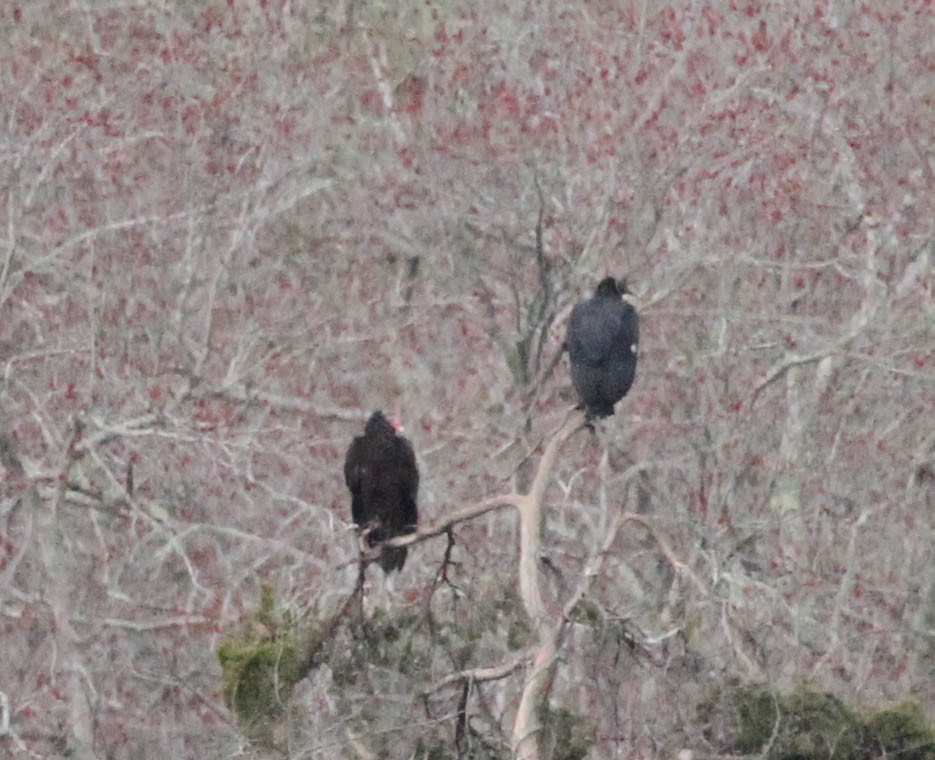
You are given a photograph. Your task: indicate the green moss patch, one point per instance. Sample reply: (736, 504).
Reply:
(262, 663)
(812, 725)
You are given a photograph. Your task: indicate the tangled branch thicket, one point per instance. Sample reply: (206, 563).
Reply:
(206, 284)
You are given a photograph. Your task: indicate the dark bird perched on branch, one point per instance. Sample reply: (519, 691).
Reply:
(380, 471)
(602, 341)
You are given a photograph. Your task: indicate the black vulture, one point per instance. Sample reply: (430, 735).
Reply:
(603, 339)
(380, 471)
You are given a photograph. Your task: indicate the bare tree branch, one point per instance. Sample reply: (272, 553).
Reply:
(53, 544)
(479, 675)
(530, 515)
(442, 525)
(527, 726)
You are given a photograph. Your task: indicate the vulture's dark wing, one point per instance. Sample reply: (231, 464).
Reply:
(353, 476)
(629, 334)
(594, 331)
(408, 481)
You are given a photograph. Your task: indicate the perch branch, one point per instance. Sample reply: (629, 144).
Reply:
(478, 675)
(529, 507)
(444, 524)
(527, 726)
(440, 526)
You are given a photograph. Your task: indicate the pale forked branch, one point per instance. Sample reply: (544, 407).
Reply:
(492, 673)
(527, 725)
(530, 518)
(529, 507)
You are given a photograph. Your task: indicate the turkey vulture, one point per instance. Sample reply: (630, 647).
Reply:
(602, 341)
(380, 471)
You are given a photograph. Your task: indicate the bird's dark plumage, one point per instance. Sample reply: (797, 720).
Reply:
(603, 340)
(380, 471)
